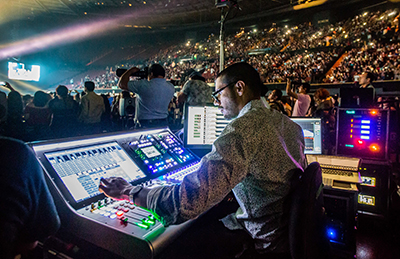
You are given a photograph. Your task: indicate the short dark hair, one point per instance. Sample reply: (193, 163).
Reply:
(244, 72)
(278, 93)
(40, 99)
(306, 86)
(89, 85)
(157, 70)
(62, 90)
(371, 77)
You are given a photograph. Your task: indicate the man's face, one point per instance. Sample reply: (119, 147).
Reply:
(272, 96)
(363, 79)
(227, 100)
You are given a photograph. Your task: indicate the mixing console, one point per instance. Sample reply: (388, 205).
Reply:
(74, 168)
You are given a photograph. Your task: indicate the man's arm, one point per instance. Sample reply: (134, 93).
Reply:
(182, 97)
(8, 86)
(123, 81)
(289, 89)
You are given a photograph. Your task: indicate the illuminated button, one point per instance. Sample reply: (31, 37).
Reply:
(119, 213)
(113, 211)
(149, 222)
(113, 216)
(125, 209)
(107, 214)
(141, 225)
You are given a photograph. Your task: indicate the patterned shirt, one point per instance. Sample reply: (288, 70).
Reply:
(197, 92)
(252, 157)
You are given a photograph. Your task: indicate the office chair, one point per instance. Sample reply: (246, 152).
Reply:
(306, 219)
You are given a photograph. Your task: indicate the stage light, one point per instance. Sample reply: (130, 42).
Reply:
(77, 32)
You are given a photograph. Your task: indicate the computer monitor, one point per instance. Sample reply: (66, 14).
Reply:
(312, 134)
(203, 125)
(356, 97)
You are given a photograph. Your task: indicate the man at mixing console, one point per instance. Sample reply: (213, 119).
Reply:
(252, 157)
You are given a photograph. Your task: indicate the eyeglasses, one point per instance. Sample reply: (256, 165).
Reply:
(218, 92)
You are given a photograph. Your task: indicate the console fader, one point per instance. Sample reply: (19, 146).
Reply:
(74, 167)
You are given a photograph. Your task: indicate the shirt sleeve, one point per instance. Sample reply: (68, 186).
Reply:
(186, 88)
(219, 172)
(136, 86)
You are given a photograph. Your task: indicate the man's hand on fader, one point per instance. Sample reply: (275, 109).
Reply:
(115, 187)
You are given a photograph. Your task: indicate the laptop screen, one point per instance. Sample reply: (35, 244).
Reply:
(203, 125)
(312, 134)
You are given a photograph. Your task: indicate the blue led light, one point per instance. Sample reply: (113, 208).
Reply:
(331, 232)
(349, 145)
(364, 137)
(365, 121)
(350, 112)
(365, 132)
(365, 127)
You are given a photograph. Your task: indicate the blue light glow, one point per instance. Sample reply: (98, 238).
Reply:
(364, 137)
(350, 112)
(365, 121)
(365, 132)
(365, 127)
(331, 232)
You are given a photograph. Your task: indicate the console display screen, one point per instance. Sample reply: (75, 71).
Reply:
(80, 169)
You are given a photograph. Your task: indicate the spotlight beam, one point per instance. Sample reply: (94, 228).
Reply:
(62, 36)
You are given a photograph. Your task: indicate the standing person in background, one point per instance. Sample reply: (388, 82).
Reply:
(14, 127)
(303, 99)
(65, 113)
(286, 105)
(153, 95)
(274, 100)
(366, 79)
(195, 91)
(325, 110)
(37, 117)
(92, 107)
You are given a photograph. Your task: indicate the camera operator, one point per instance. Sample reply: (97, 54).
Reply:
(154, 95)
(303, 99)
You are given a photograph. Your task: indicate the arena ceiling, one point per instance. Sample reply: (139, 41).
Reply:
(36, 26)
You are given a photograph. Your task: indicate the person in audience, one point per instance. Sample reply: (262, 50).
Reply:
(365, 81)
(14, 127)
(65, 112)
(303, 100)
(195, 91)
(92, 108)
(154, 95)
(253, 156)
(286, 104)
(27, 99)
(37, 117)
(3, 111)
(27, 213)
(325, 110)
(274, 100)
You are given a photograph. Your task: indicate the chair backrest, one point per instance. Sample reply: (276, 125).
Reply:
(307, 237)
